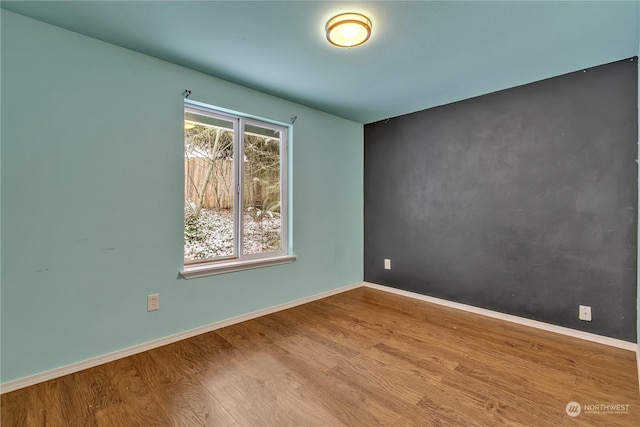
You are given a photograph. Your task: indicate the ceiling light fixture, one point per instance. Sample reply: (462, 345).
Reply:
(348, 30)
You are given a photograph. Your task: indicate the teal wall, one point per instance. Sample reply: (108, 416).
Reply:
(92, 193)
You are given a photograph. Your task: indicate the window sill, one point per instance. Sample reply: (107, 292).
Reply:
(202, 270)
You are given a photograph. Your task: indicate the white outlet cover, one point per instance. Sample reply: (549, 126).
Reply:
(584, 313)
(153, 302)
(387, 264)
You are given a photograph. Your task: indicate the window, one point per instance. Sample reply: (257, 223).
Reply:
(235, 189)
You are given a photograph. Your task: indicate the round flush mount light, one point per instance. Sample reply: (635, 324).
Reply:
(348, 30)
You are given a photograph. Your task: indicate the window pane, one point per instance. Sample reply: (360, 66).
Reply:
(262, 225)
(209, 182)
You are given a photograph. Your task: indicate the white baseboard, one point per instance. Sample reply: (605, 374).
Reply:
(109, 357)
(613, 342)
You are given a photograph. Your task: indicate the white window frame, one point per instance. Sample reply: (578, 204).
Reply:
(243, 261)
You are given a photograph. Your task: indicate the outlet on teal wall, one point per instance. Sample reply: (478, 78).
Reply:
(92, 194)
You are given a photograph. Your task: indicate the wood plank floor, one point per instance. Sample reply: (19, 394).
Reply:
(361, 358)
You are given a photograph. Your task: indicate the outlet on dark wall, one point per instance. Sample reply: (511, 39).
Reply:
(522, 201)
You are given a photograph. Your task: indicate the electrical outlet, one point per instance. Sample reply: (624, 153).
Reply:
(387, 264)
(153, 302)
(584, 313)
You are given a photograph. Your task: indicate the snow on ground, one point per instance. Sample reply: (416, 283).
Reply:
(212, 235)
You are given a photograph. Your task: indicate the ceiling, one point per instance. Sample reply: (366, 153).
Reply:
(421, 53)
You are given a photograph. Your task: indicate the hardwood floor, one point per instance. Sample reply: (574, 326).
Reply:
(361, 358)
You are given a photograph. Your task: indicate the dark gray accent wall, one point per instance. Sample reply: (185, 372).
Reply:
(522, 201)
